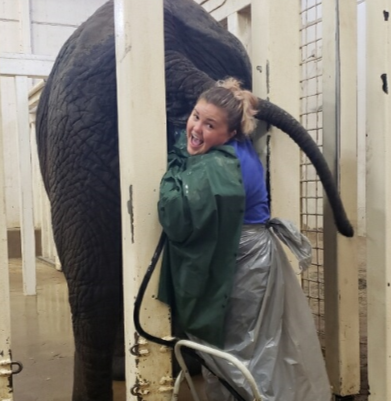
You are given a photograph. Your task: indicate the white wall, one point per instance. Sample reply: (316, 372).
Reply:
(9, 42)
(51, 23)
(10, 150)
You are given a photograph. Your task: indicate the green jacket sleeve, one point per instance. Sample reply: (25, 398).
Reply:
(201, 210)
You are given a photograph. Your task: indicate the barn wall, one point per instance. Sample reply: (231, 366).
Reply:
(49, 24)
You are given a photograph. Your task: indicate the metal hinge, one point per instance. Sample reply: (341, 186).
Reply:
(140, 388)
(5, 363)
(166, 384)
(141, 348)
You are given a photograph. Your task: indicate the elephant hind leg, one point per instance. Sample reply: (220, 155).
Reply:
(87, 232)
(81, 390)
(118, 364)
(94, 349)
(95, 297)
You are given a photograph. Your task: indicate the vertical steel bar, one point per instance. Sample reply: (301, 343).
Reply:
(26, 191)
(378, 196)
(142, 147)
(339, 147)
(5, 317)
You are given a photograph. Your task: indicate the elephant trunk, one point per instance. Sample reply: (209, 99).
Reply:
(278, 117)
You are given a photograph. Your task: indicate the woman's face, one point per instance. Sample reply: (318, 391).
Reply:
(206, 128)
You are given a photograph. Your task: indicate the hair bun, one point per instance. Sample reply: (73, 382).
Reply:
(248, 100)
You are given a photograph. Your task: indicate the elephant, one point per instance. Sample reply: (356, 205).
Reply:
(77, 140)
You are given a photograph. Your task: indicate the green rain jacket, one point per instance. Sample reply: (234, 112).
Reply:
(201, 209)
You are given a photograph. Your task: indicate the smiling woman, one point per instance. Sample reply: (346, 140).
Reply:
(206, 128)
(224, 112)
(224, 272)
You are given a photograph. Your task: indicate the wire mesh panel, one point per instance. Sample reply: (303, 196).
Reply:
(311, 188)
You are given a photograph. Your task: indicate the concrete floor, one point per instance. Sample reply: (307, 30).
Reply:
(42, 338)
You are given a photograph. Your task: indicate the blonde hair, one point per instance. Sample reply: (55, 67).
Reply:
(240, 105)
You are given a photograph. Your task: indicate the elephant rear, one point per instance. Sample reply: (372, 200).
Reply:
(77, 144)
(77, 140)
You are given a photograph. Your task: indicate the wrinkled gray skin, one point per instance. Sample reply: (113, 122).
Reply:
(78, 153)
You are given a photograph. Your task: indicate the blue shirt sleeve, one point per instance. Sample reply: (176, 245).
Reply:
(257, 198)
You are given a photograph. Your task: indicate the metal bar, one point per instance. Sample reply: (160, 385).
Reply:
(340, 136)
(26, 188)
(33, 66)
(142, 147)
(185, 371)
(215, 353)
(177, 386)
(5, 317)
(239, 24)
(378, 197)
(225, 8)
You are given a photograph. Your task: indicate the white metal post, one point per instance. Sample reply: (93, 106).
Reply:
(5, 317)
(222, 9)
(378, 195)
(41, 202)
(361, 117)
(142, 147)
(276, 76)
(239, 24)
(26, 194)
(340, 150)
(44, 222)
(31, 65)
(36, 174)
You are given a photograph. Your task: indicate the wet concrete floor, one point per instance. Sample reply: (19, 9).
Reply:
(42, 338)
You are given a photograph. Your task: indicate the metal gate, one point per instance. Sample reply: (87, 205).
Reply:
(329, 69)
(311, 191)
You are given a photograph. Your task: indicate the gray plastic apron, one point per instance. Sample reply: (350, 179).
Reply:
(269, 324)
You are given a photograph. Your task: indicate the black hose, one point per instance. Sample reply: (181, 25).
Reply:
(141, 293)
(161, 341)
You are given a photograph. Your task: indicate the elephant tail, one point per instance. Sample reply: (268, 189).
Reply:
(278, 117)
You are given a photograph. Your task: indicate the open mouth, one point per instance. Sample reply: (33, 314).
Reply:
(194, 141)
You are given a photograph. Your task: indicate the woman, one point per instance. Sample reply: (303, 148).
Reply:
(225, 273)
